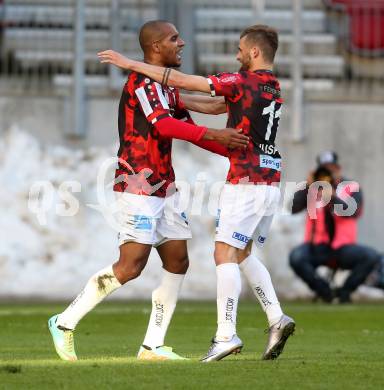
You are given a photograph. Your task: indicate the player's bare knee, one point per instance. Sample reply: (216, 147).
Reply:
(129, 273)
(178, 267)
(184, 265)
(128, 268)
(242, 254)
(181, 267)
(219, 256)
(225, 253)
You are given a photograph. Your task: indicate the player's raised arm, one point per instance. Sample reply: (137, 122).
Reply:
(155, 108)
(165, 76)
(173, 128)
(204, 104)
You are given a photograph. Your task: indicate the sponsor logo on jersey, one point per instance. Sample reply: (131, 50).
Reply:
(270, 162)
(268, 89)
(269, 149)
(142, 222)
(229, 79)
(240, 237)
(261, 239)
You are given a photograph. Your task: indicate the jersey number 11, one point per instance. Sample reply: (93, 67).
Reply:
(274, 113)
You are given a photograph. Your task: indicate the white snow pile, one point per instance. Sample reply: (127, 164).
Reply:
(52, 256)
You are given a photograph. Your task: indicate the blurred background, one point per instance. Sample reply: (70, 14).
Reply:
(58, 122)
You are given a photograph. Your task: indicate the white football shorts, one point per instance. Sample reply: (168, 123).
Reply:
(245, 213)
(150, 219)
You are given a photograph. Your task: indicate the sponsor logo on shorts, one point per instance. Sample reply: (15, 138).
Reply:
(142, 222)
(218, 217)
(184, 216)
(261, 239)
(270, 162)
(240, 237)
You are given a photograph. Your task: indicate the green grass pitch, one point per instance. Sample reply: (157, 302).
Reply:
(334, 347)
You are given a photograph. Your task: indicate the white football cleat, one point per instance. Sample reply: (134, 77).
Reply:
(278, 335)
(220, 349)
(159, 353)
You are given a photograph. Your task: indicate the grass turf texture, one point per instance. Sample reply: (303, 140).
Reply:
(334, 347)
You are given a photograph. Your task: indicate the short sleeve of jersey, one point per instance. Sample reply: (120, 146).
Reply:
(224, 84)
(152, 100)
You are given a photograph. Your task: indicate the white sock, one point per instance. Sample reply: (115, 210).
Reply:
(164, 300)
(228, 291)
(260, 281)
(100, 285)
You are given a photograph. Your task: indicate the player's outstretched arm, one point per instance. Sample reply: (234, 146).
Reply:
(173, 128)
(167, 76)
(231, 138)
(204, 104)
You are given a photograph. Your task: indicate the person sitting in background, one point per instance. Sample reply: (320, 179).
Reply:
(331, 231)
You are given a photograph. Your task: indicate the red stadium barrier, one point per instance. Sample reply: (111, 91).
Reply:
(343, 4)
(366, 25)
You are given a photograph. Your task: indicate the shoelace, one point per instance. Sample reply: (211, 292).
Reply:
(214, 343)
(68, 339)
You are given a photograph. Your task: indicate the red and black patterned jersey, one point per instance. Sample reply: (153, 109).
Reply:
(253, 104)
(145, 163)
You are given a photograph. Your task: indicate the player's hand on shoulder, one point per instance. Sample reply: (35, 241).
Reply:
(114, 58)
